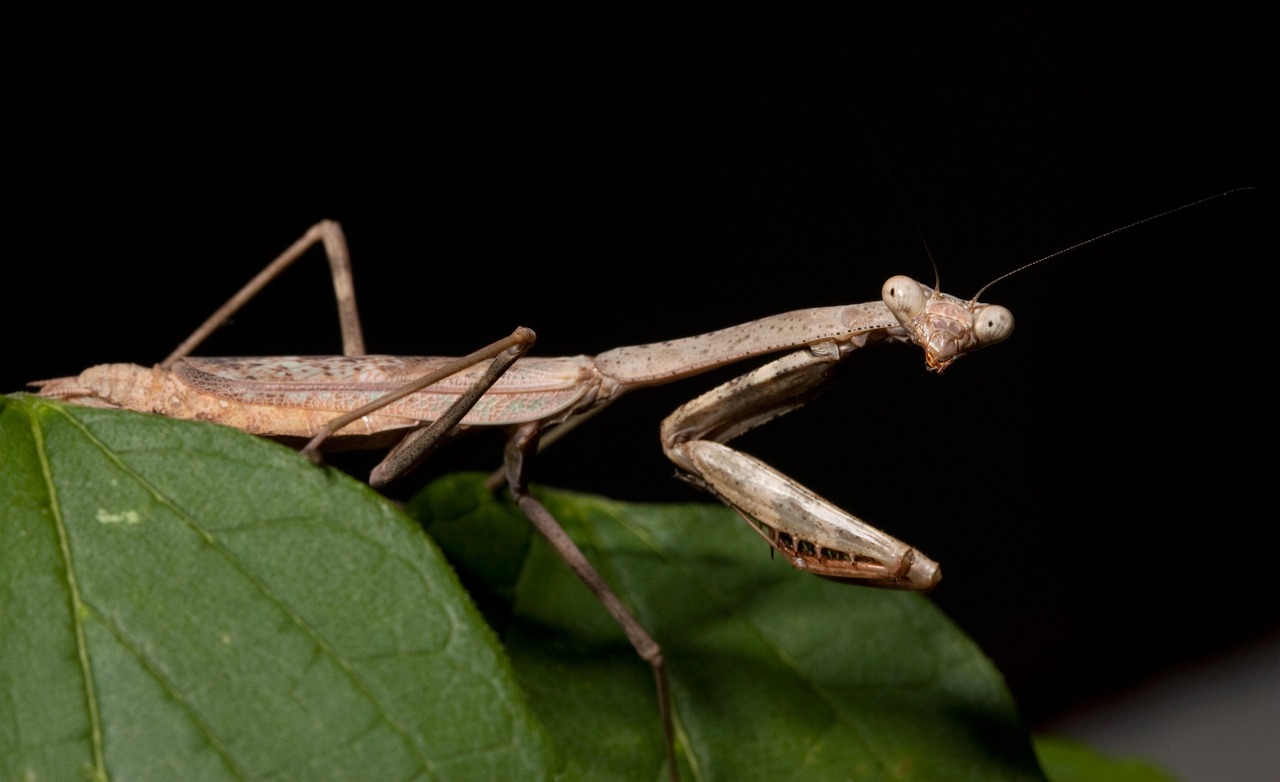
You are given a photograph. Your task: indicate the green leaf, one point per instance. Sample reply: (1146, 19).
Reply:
(1069, 761)
(182, 601)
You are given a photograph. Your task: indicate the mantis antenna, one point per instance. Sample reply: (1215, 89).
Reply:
(1099, 237)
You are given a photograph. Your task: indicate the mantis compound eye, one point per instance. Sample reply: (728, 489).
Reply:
(904, 297)
(991, 324)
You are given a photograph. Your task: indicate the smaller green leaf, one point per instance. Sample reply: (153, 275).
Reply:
(1069, 761)
(775, 674)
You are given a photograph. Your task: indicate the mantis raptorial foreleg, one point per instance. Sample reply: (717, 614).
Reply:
(814, 534)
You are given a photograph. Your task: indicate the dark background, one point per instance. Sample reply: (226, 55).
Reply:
(1099, 489)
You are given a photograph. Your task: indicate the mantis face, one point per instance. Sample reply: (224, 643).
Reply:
(946, 327)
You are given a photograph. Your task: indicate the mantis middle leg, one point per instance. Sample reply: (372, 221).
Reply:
(521, 446)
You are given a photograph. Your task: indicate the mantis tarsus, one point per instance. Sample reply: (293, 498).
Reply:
(373, 401)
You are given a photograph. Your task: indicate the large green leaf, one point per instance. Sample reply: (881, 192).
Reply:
(184, 601)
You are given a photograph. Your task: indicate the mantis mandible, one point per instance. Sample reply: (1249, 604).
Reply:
(416, 403)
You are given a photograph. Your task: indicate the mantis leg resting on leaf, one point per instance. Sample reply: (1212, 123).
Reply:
(416, 403)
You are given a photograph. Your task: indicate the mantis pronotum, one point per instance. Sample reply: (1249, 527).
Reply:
(375, 400)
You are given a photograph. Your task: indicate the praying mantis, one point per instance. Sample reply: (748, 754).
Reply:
(423, 402)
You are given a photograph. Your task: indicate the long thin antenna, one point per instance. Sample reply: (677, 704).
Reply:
(937, 276)
(1112, 232)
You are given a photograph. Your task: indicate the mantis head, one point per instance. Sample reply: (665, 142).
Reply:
(946, 327)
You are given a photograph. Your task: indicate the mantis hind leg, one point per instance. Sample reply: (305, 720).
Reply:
(330, 235)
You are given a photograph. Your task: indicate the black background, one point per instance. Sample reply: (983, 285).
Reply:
(1099, 489)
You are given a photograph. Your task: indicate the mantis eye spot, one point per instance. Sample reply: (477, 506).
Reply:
(904, 297)
(992, 324)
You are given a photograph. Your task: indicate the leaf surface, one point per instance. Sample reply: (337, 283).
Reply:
(1069, 761)
(183, 601)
